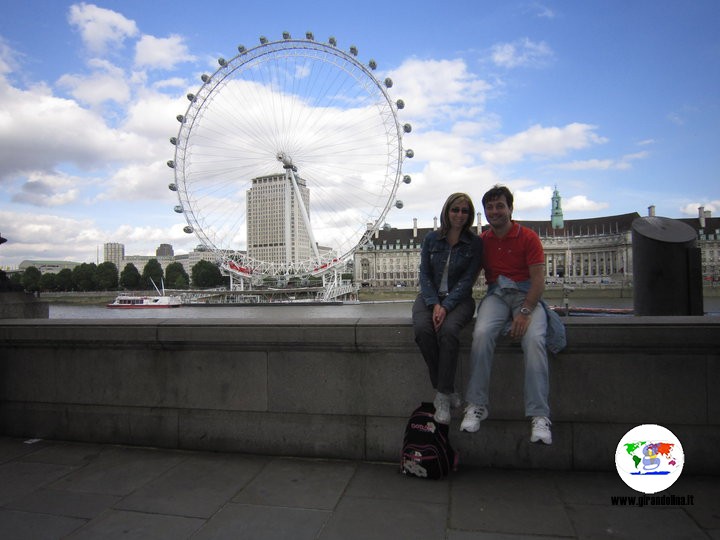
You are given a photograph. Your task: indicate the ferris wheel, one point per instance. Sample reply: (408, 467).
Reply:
(288, 157)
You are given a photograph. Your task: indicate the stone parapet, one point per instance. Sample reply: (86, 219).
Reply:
(344, 388)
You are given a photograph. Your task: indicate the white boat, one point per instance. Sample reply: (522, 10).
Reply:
(143, 302)
(127, 301)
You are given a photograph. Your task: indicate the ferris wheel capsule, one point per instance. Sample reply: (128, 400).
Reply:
(179, 209)
(372, 65)
(172, 187)
(388, 82)
(310, 36)
(332, 41)
(400, 104)
(407, 179)
(409, 153)
(222, 62)
(353, 50)
(188, 229)
(173, 141)
(171, 163)
(407, 128)
(399, 204)
(286, 35)
(204, 77)
(241, 49)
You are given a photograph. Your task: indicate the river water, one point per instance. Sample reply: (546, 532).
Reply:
(372, 310)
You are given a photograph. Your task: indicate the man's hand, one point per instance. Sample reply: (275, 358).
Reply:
(519, 326)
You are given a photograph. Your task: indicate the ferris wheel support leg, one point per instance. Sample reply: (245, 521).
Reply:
(303, 212)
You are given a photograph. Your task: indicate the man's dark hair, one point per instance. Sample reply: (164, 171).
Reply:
(496, 192)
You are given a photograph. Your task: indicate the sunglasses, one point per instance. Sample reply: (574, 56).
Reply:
(456, 209)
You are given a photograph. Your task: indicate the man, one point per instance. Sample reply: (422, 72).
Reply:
(514, 265)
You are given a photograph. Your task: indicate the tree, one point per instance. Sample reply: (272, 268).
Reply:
(85, 277)
(206, 274)
(130, 277)
(64, 280)
(107, 276)
(152, 272)
(31, 279)
(48, 282)
(176, 277)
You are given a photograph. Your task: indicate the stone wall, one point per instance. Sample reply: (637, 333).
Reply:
(344, 388)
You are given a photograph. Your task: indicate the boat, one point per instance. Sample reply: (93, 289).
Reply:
(128, 301)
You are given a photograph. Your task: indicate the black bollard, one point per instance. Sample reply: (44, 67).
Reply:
(667, 277)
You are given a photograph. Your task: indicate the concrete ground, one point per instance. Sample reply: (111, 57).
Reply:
(51, 489)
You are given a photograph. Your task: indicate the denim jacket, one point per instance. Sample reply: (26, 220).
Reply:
(555, 338)
(465, 261)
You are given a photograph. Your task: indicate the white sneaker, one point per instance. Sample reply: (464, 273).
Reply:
(455, 400)
(474, 414)
(442, 408)
(541, 430)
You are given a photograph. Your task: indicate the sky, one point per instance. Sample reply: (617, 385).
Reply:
(614, 103)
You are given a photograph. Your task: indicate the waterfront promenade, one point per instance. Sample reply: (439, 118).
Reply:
(74, 491)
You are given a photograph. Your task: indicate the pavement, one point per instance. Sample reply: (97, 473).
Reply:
(54, 489)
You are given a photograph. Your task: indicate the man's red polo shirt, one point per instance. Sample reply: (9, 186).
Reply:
(512, 255)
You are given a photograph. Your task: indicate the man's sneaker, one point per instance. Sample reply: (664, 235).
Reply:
(442, 408)
(541, 430)
(474, 414)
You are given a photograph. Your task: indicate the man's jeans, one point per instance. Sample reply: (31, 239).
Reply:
(493, 316)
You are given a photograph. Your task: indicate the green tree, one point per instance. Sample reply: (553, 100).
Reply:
(48, 282)
(85, 277)
(31, 279)
(152, 272)
(206, 274)
(64, 280)
(107, 276)
(176, 277)
(130, 277)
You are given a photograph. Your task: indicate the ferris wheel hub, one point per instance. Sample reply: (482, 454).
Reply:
(286, 161)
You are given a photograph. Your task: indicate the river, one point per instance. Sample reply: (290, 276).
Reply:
(373, 310)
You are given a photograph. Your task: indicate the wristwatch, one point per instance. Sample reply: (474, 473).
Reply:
(525, 311)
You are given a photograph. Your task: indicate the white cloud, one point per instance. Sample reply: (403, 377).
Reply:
(100, 28)
(541, 141)
(521, 53)
(439, 91)
(48, 189)
(625, 162)
(581, 203)
(161, 53)
(106, 83)
(691, 209)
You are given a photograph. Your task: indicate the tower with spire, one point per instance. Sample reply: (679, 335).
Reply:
(556, 216)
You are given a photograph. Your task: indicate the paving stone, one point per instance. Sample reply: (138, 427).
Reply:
(592, 522)
(197, 487)
(503, 501)
(250, 522)
(360, 518)
(21, 478)
(121, 525)
(65, 503)
(120, 471)
(15, 525)
(301, 483)
(385, 481)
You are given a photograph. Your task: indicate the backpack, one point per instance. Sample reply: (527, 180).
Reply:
(426, 450)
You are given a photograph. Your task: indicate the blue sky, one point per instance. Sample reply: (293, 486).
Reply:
(616, 103)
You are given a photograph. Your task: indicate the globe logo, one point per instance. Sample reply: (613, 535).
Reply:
(649, 458)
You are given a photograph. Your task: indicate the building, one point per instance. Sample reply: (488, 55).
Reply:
(114, 252)
(47, 267)
(276, 230)
(164, 250)
(581, 251)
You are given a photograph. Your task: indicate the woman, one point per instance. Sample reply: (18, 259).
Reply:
(449, 264)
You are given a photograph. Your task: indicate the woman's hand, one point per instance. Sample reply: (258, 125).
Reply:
(439, 314)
